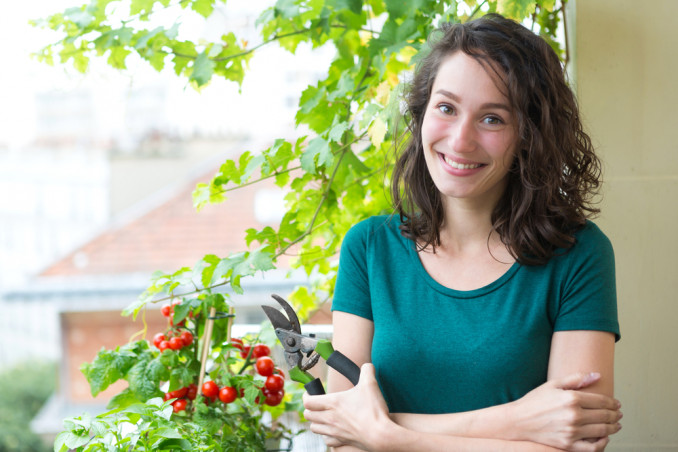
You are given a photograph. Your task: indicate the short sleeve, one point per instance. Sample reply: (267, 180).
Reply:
(351, 292)
(589, 294)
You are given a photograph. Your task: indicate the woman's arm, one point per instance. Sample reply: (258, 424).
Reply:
(358, 419)
(572, 408)
(551, 414)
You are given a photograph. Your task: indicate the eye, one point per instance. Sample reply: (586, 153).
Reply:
(493, 120)
(446, 109)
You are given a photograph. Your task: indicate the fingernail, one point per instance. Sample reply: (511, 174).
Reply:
(590, 378)
(618, 404)
(621, 415)
(618, 426)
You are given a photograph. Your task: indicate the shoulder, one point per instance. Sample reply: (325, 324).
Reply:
(591, 242)
(373, 227)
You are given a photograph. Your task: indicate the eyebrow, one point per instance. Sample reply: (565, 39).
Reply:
(488, 105)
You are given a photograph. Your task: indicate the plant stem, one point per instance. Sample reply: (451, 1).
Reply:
(207, 338)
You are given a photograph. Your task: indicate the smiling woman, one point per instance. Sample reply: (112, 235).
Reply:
(491, 278)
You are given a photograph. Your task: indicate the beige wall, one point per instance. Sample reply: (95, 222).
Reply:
(626, 73)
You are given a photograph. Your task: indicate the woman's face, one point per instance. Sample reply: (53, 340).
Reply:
(469, 131)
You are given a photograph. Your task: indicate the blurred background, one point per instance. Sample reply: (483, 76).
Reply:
(96, 173)
(96, 176)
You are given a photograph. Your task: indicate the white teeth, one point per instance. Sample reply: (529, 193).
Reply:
(456, 165)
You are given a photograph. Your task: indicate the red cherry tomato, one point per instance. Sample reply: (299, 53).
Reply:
(186, 338)
(274, 383)
(166, 310)
(166, 396)
(176, 343)
(210, 389)
(158, 338)
(227, 394)
(179, 393)
(179, 405)
(163, 345)
(261, 350)
(264, 366)
(192, 391)
(274, 398)
(279, 371)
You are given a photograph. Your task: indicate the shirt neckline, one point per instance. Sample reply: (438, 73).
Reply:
(474, 293)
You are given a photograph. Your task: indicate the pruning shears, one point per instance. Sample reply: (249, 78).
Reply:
(303, 351)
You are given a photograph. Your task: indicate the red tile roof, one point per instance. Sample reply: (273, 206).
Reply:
(168, 237)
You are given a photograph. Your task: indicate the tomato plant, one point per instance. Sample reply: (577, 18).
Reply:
(226, 403)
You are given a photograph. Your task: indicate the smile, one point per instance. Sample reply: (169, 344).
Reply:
(463, 166)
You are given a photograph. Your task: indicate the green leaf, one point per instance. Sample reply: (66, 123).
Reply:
(548, 4)
(107, 368)
(516, 9)
(337, 131)
(317, 153)
(141, 6)
(286, 8)
(203, 7)
(173, 444)
(203, 68)
(145, 376)
(117, 57)
(80, 17)
(355, 6)
(123, 400)
(180, 377)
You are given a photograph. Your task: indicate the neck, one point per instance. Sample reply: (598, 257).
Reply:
(467, 226)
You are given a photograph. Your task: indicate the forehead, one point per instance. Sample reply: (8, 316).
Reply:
(466, 76)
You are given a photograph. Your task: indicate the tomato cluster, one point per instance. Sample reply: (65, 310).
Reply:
(256, 356)
(182, 395)
(273, 389)
(174, 338)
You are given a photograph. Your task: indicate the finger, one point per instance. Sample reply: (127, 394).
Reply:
(594, 431)
(590, 446)
(367, 373)
(576, 381)
(595, 416)
(331, 441)
(592, 401)
(317, 402)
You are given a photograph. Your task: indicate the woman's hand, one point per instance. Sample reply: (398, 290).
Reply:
(355, 417)
(558, 414)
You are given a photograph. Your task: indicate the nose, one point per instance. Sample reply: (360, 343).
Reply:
(462, 135)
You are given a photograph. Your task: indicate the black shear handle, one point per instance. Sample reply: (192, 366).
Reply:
(339, 362)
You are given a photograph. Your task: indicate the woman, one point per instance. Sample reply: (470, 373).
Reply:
(484, 314)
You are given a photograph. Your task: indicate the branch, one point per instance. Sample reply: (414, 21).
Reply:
(246, 184)
(475, 11)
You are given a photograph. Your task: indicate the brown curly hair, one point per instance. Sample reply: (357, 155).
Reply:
(555, 175)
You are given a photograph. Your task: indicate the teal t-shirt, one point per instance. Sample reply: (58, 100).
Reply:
(439, 350)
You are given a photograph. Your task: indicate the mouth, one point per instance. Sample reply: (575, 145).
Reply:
(461, 165)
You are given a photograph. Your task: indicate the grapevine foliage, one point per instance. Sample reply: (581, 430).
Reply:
(336, 176)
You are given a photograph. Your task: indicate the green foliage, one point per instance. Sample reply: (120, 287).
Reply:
(336, 177)
(25, 389)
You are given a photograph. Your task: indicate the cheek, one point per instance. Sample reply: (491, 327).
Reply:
(432, 129)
